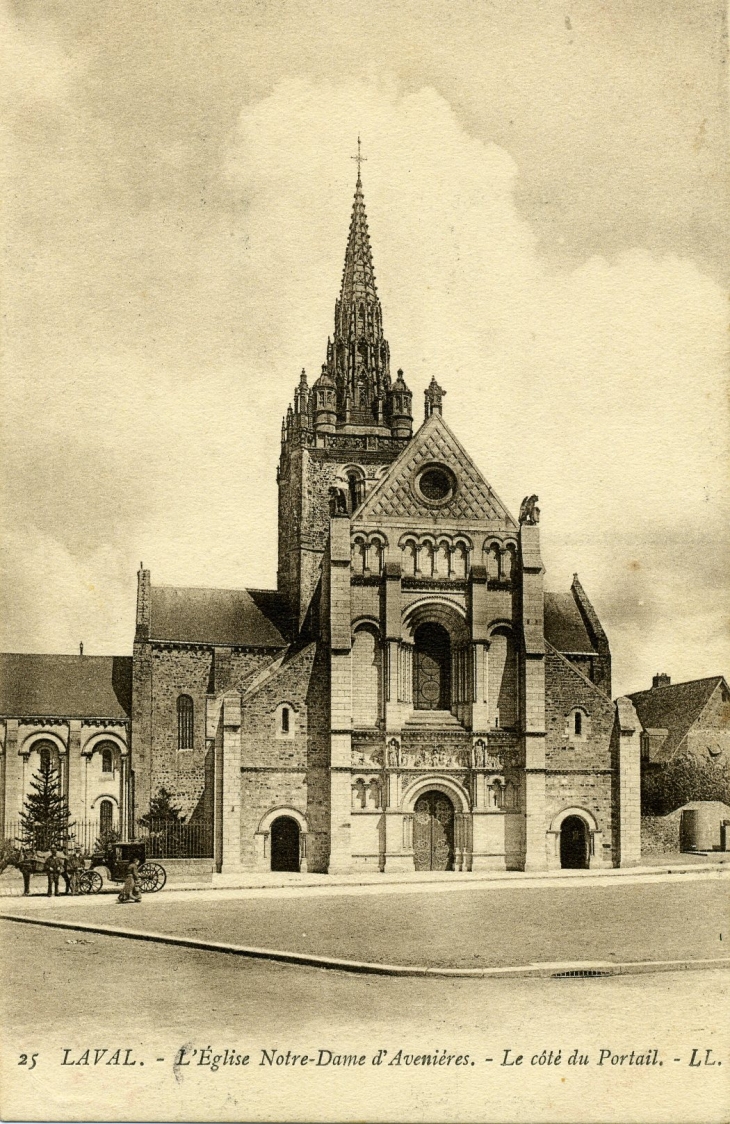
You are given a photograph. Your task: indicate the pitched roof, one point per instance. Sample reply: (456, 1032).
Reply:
(65, 686)
(675, 707)
(564, 626)
(246, 618)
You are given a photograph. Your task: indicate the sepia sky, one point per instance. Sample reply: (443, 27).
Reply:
(547, 192)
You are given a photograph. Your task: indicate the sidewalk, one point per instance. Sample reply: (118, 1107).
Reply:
(315, 885)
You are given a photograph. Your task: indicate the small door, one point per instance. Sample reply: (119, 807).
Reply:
(573, 844)
(285, 844)
(433, 832)
(432, 668)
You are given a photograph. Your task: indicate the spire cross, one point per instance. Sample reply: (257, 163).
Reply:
(360, 159)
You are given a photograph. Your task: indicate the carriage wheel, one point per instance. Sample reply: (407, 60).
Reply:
(152, 877)
(90, 882)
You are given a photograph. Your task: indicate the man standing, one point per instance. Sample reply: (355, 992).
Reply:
(26, 866)
(74, 866)
(53, 867)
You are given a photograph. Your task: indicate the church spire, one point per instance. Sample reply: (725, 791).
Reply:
(358, 357)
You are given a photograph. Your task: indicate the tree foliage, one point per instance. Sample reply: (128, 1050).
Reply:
(688, 778)
(45, 819)
(162, 811)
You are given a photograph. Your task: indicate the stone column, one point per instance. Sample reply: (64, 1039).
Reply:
(230, 788)
(13, 774)
(392, 632)
(340, 625)
(628, 732)
(533, 697)
(75, 772)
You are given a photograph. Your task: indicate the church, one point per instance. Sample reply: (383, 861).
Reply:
(409, 698)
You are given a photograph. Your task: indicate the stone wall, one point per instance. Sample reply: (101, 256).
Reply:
(161, 674)
(281, 770)
(579, 768)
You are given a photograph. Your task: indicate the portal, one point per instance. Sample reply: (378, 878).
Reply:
(573, 843)
(285, 844)
(433, 832)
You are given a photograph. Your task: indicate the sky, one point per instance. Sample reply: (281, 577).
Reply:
(547, 193)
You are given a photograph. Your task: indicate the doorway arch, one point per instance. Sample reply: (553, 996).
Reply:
(285, 844)
(433, 831)
(574, 843)
(431, 667)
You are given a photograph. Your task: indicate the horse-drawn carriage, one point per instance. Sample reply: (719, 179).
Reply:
(116, 859)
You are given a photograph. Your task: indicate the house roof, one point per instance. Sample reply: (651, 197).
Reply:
(246, 618)
(564, 626)
(675, 708)
(65, 686)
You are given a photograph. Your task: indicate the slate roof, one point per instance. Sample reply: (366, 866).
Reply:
(246, 618)
(65, 686)
(675, 708)
(564, 625)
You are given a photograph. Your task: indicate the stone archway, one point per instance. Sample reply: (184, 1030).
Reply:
(574, 843)
(285, 844)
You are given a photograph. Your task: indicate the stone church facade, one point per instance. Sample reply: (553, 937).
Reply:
(409, 698)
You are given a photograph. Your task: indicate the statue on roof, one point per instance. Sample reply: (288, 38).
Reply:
(529, 511)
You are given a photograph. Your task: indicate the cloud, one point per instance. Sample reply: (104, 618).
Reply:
(601, 387)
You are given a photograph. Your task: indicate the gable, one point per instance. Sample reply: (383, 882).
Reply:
(397, 495)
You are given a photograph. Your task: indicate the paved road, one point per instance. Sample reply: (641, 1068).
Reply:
(69, 991)
(465, 928)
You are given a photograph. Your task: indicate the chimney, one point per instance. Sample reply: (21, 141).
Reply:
(661, 679)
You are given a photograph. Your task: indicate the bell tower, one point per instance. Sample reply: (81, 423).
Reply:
(337, 434)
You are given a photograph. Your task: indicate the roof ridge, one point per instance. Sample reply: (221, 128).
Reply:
(681, 683)
(582, 674)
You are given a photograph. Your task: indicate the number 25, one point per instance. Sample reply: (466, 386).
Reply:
(24, 1060)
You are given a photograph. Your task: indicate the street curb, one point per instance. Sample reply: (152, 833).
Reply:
(570, 969)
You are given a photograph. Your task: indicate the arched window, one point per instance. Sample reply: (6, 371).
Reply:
(578, 725)
(107, 758)
(356, 489)
(48, 754)
(185, 733)
(409, 559)
(285, 719)
(106, 816)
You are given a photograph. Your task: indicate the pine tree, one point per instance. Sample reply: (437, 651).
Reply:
(162, 810)
(45, 819)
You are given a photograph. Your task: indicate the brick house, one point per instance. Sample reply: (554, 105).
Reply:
(409, 698)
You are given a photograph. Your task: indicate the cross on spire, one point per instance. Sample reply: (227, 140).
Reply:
(360, 158)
